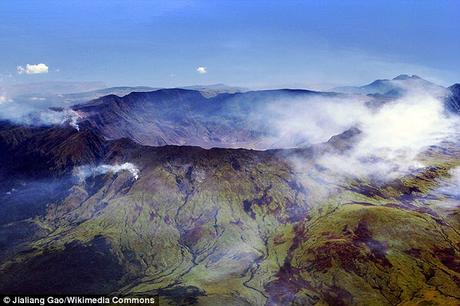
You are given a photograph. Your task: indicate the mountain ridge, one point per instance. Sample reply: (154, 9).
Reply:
(233, 226)
(186, 117)
(396, 85)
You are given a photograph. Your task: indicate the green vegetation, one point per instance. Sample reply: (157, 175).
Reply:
(237, 227)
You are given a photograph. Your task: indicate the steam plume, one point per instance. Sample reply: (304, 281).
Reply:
(86, 171)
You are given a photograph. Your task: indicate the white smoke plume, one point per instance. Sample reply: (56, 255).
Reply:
(86, 171)
(451, 187)
(55, 117)
(35, 111)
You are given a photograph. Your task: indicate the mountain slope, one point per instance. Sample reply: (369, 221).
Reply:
(187, 117)
(453, 99)
(234, 227)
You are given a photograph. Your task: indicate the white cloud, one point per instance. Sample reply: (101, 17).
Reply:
(5, 100)
(309, 120)
(33, 69)
(392, 135)
(36, 117)
(37, 98)
(202, 70)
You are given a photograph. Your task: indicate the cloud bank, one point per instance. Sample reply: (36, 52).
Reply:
(393, 133)
(295, 122)
(36, 112)
(393, 137)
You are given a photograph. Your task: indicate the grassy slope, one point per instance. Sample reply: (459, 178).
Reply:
(239, 227)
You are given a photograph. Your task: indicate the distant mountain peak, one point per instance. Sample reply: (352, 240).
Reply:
(390, 86)
(455, 87)
(453, 99)
(403, 77)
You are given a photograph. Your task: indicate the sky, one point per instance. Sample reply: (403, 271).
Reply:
(254, 44)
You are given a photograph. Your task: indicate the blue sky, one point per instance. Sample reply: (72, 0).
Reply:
(312, 44)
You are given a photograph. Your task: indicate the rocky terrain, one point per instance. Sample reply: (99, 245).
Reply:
(125, 205)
